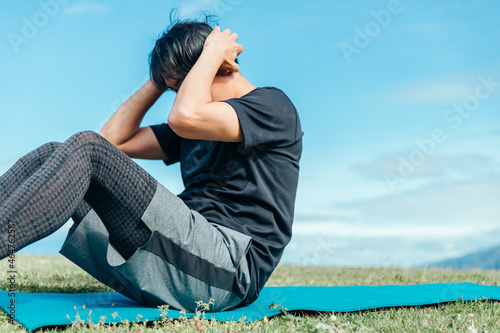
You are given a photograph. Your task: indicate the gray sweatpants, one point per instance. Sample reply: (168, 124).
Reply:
(186, 259)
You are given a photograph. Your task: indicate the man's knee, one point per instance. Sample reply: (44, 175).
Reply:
(51, 146)
(84, 137)
(45, 150)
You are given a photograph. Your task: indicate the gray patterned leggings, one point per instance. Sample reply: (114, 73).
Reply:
(56, 181)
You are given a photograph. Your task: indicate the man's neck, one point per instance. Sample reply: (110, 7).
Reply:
(233, 85)
(243, 87)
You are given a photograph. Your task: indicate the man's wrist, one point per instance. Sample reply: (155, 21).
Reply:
(151, 85)
(211, 57)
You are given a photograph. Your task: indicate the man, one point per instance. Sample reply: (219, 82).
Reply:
(220, 239)
(239, 146)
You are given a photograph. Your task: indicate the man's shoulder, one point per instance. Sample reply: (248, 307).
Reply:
(267, 91)
(266, 97)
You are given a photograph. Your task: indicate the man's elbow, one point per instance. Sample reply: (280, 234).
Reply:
(111, 137)
(181, 121)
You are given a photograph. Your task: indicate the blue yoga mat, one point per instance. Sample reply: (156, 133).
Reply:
(34, 310)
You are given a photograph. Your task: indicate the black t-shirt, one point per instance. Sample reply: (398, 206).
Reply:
(248, 186)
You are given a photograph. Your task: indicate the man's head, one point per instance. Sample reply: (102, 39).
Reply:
(176, 51)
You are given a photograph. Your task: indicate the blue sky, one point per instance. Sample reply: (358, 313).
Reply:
(399, 103)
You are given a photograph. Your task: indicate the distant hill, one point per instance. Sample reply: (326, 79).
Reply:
(486, 259)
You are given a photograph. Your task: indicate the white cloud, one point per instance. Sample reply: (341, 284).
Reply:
(318, 214)
(214, 7)
(376, 231)
(87, 7)
(472, 203)
(416, 227)
(384, 251)
(435, 167)
(432, 91)
(441, 28)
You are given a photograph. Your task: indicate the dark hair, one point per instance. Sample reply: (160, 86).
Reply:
(177, 50)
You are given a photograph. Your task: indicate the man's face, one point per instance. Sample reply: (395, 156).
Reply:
(219, 89)
(173, 85)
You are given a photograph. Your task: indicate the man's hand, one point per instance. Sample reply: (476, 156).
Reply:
(223, 46)
(124, 131)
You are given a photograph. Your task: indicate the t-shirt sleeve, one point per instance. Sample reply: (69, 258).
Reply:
(267, 117)
(169, 142)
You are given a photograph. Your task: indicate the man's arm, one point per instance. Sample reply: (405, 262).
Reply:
(194, 115)
(123, 128)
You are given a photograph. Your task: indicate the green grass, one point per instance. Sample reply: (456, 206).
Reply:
(57, 274)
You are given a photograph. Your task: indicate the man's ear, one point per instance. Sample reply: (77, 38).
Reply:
(223, 72)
